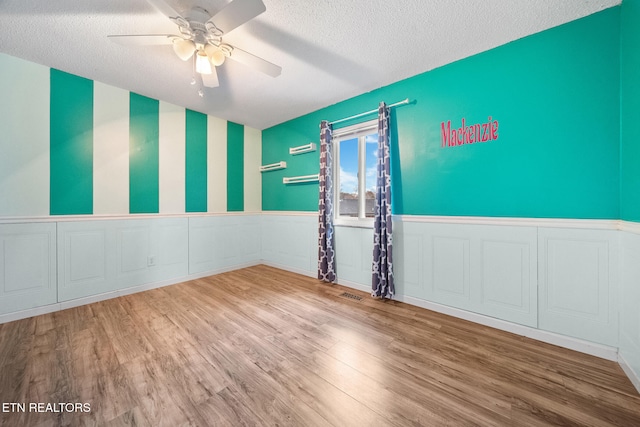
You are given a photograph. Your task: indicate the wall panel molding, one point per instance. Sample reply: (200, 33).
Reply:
(489, 270)
(27, 266)
(516, 278)
(629, 297)
(96, 257)
(577, 272)
(354, 254)
(506, 276)
(291, 241)
(590, 224)
(223, 241)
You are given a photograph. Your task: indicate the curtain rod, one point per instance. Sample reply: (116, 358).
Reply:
(404, 101)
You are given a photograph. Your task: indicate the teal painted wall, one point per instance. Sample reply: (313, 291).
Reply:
(630, 111)
(144, 149)
(235, 167)
(556, 97)
(196, 162)
(71, 155)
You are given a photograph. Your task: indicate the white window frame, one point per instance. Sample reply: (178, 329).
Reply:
(360, 131)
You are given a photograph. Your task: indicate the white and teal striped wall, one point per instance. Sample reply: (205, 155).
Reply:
(105, 192)
(71, 146)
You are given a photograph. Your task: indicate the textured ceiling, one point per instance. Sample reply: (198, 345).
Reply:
(329, 50)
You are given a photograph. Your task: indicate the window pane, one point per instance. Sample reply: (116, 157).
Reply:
(371, 163)
(348, 201)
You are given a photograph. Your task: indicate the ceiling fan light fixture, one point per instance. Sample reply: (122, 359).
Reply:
(215, 54)
(183, 48)
(203, 66)
(217, 58)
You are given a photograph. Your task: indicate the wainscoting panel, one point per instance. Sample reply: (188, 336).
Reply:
(578, 283)
(508, 274)
(227, 245)
(354, 254)
(290, 241)
(504, 263)
(490, 270)
(133, 245)
(86, 259)
(201, 238)
(174, 245)
(450, 269)
(27, 266)
(630, 302)
(407, 247)
(151, 250)
(222, 242)
(95, 257)
(88, 249)
(250, 241)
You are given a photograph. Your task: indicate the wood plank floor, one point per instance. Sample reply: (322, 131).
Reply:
(261, 346)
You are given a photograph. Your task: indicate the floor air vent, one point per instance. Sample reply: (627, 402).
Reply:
(351, 296)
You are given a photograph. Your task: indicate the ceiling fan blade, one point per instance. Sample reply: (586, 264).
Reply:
(210, 80)
(253, 61)
(237, 13)
(142, 39)
(164, 8)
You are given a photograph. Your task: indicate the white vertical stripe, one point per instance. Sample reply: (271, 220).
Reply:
(216, 164)
(110, 150)
(24, 138)
(172, 158)
(252, 175)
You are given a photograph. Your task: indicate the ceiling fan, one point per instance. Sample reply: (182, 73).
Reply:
(201, 38)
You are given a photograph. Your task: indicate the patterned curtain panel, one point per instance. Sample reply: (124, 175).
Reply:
(326, 253)
(382, 283)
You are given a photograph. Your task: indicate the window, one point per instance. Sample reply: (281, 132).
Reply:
(355, 160)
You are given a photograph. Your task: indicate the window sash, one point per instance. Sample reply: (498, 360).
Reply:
(359, 131)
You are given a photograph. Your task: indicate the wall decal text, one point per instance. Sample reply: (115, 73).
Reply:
(468, 134)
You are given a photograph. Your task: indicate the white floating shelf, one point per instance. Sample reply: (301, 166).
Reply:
(303, 149)
(300, 179)
(273, 167)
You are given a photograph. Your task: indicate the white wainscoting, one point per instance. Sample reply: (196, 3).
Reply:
(100, 257)
(354, 255)
(96, 257)
(290, 241)
(578, 282)
(629, 345)
(560, 280)
(489, 270)
(559, 277)
(221, 242)
(27, 266)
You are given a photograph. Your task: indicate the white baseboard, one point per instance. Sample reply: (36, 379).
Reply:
(598, 350)
(347, 283)
(290, 269)
(587, 347)
(354, 285)
(631, 373)
(23, 314)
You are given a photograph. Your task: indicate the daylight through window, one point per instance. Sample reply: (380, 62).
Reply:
(356, 149)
